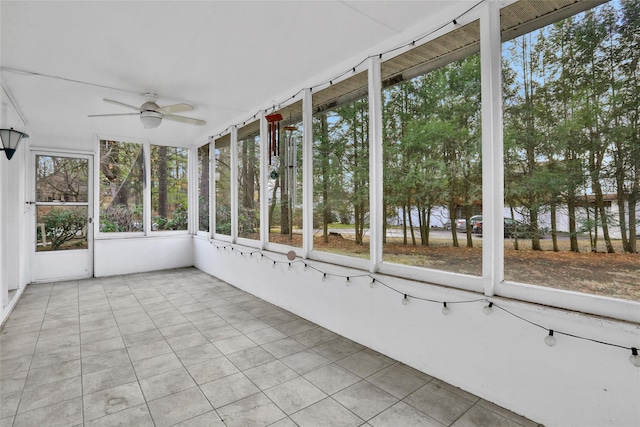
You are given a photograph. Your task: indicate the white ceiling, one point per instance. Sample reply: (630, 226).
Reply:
(227, 58)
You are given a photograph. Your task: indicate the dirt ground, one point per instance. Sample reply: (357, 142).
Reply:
(615, 275)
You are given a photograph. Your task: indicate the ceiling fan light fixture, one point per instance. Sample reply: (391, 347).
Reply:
(150, 119)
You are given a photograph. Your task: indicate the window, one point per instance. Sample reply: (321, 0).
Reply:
(284, 190)
(223, 185)
(341, 169)
(62, 203)
(169, 184)
(432, 171)
(203, 188)
(121, 187)
(571, 155)
(249, 182)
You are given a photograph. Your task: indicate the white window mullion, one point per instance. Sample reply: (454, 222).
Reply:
(234, 184)
(193, 188)
(212, 188)
(375, 163)
(264, 182)
(307, 173)
(492, 147)
(147, 188)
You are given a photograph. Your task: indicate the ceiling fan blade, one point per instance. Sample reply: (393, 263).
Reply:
(121, 104)
(183, 119)
(116, 114)
(176, 108)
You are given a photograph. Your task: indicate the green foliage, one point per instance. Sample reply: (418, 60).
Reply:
(203, 214)
(177, 221)
(121, 218)
(223, 220)
(62, 225)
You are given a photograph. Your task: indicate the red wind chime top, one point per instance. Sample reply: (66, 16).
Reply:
(273, 137)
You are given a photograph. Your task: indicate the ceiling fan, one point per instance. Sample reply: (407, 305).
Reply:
(151, 114)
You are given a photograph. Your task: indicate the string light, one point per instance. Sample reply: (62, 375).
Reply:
(550, 340)
(634, 358)
(488, 309)
(445, 309)
(353, 69)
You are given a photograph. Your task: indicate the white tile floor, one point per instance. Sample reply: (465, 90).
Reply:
(180, 347)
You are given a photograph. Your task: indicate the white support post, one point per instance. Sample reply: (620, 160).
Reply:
(264, 182)
(492, 147)
(307, 173)
(193, 178)
(234, 184)
(375, 163)
(146, 200)
(212, 188)
(4, 284)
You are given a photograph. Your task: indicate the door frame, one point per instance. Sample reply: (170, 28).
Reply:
(61, 259)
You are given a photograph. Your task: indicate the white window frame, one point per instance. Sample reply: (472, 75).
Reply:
(491, 282)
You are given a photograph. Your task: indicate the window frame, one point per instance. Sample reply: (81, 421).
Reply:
(196, 212)
(235, 155)
(492, 282)
(146, 209)
(189, 191)
(99, 235)
(227, 238)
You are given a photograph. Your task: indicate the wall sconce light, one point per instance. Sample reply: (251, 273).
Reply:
(10, 140)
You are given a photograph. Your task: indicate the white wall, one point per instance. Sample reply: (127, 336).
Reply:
(135, 255)
(13, 244)
(497, 357)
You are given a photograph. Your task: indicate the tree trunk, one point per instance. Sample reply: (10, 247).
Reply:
(326, 208)
(284, 177)
(413, 234)
(404, 224)
(162, 182)
(554, 224)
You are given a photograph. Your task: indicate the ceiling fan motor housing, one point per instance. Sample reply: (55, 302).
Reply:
(149, 116)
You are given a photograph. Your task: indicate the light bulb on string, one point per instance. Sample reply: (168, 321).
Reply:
(348, 281)
(324, 277)
(405, 300)
(289, 266)
(634, 358)
(550, 340)
(372, 284)
(274, 264)
(488, 309)
(306, 268)
(445, 309)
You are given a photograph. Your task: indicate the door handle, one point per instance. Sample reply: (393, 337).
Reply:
(30, 203)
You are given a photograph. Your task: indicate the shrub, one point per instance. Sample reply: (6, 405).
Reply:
(63, 225)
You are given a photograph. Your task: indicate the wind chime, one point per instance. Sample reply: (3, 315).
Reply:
(273, 138)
